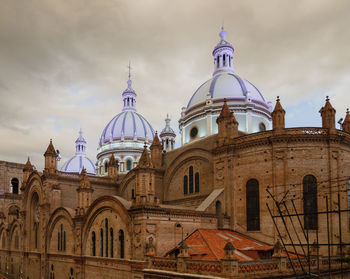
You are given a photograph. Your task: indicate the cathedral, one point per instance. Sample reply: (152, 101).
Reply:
(243, 195)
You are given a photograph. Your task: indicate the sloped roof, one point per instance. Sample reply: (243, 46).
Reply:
(208, 244)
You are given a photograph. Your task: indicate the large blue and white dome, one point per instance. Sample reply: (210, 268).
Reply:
(198, 118)
(124, 136)
(79, 160)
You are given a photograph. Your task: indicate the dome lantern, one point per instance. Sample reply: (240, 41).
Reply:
(223, 55)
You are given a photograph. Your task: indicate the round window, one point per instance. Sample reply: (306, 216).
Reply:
(194, 132)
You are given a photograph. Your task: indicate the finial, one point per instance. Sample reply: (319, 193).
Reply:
(347, 112)
(80, 132)
(278, 99)
(327, 98)
(129, 70)
(223, 33)
(167, 115)
(224, 100)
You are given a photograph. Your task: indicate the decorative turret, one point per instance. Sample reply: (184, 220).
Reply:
(80, 145)
(183, 250)
(227, 125)
(50, 159)
(328, 115)
(223, 55)
(145, 181)
(346, 123)
(84, 193)
(278, 116)
(129, 95)
(167, 136)
(27, 170)
(112, 167)
(229, 251)
(156, 152)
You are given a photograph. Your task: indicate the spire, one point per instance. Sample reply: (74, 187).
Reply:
(129, 95)
(50, 150)
(155, 141)
(80, 145)
(28, 166)
(328, 115)
(145, 161)
(278, 116)
(156, 152)
(225, 113)
(346, 123)
(223, 55)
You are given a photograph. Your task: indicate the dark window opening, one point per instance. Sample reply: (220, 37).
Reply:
(252, 205)
(185, 185)
(310, 202)
(193, 132)
(101, 242)
(121, 244)
(128, 165)
(14, 185)
(190, 177)
(219, 213)
(262, 127)
(196, 182)
(93, 244)
(106, 238)
(132, 194)
(111, 242)
(106, 167)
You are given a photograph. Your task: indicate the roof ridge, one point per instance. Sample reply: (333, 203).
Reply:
(210, 248)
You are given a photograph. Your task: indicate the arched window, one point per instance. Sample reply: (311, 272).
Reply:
(64, 241)
(229, 60)
(121, 244)
(106, 239)
(252, 205)
(132, 194)
(185, 185)
(128, 165)
(59, 241)
(111, 238)
(36, 235)
(190, 177)
(310, 202)
(262, 127)
(71, 273)
(224, 59)
(219, 213)
(93, 244)
(106, 167)
(217, 61)
(196, 182)
(14, 185)
(52, 273)
(101, 242)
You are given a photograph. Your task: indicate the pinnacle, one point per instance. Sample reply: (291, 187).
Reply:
(50, 150)
(28, 165)
(145, 161)
(278, 106)
(155, 140)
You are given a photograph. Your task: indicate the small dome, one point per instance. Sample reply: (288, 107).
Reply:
(226, 86)
(79, 160)
(77, 163)
(127, 125)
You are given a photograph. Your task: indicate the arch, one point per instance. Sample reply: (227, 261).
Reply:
(310, 202)
(14, 185)
(15, 235)
(61, 225)
(106, 204)
(252, 205)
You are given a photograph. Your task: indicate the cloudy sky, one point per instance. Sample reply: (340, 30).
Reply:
(63, 64)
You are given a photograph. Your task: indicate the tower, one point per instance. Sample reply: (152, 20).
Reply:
(227, 125)
(278, 116)
(112, 167)
(50, 159)
(156, 152)
(167, 136)
(223, 55)
(346, 123)
(328, 115)
(145, 181)
(84, 193)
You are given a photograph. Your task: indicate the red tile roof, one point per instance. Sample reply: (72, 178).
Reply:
(208, 244)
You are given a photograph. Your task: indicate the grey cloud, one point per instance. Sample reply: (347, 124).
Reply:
(64, 64)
